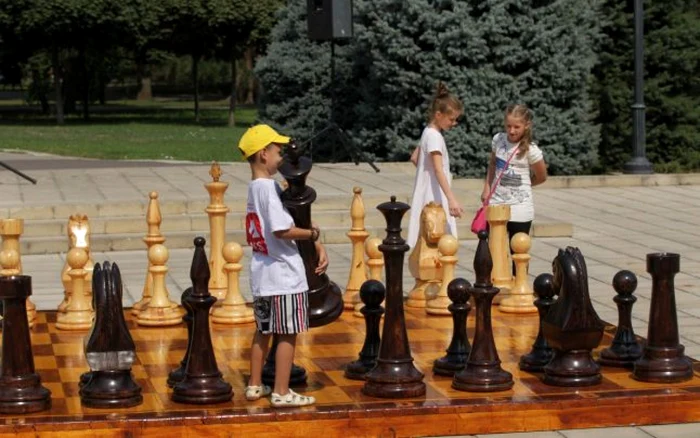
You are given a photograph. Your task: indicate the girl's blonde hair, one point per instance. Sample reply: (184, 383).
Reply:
(521, 111)
(443, 102)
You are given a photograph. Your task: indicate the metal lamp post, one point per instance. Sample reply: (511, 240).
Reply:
(638, 164)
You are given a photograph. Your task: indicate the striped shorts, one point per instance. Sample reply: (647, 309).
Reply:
(282, 314)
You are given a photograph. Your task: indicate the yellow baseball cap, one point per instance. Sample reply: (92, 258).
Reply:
(257, 138)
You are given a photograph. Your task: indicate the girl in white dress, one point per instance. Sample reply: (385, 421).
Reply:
(433, 178)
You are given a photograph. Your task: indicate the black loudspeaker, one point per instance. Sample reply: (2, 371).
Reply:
(329, 19)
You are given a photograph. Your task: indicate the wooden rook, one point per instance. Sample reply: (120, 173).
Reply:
(541, 352)
(217, 211)
(233, 310)
(21, 391)
(78, 231)
(572, 326)
(663, 359)
(375, 263)
(10, 231)
(458, 352)
(625, 349)
(448, 247)
(153, 237)
(424, 261)
(372, 294)
(325, 297)
(202, 382)
(159, 311)
(178, 373)
(520, 299)
(395, 375)
(502, 276)
(78, 314)
(483, 372)
(109, 349)
(357, 234)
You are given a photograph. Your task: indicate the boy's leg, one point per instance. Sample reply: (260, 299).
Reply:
(258, 352)
(283, 362)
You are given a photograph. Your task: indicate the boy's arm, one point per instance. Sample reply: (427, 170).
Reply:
(296, 233)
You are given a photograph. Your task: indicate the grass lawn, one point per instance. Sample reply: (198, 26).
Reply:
(161, 130)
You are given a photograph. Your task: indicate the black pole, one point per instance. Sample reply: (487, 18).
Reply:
(638, 164)
(12, 169)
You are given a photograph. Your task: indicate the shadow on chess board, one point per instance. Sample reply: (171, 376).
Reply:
(342, 409)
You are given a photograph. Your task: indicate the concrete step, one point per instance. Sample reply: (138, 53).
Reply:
(184, 239)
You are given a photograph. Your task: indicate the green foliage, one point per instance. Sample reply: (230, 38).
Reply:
(490, 53)
(672, 83)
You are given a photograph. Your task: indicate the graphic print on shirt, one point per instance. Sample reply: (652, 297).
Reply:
(510, 188)
(253, 233)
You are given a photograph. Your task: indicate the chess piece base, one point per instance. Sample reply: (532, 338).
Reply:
(536, 360)
(160, 316)
(79, 320)
(23, 395)
(438, 306)
(622, 356)
(325, 305)
(394, 390)
(351, 299)
(358, 369)
(139, 306)
(488, 378)
(232, 314)
(202, 390)
(176, 375)
(422, 290)
(110, 389)
(448, 366)
(297, 377)
(572, 368)
(517, 304)
(663, 365)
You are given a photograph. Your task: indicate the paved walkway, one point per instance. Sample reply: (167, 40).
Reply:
(615, 227)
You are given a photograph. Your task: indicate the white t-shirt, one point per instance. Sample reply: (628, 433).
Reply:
(426, 187)
(515, 188)
(276, 267)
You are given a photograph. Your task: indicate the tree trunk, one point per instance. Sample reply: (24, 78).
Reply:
(82, 60)
(249, 63)
(57, 85)
(145, 86)
(232, 99)
(40, 90)
(195, 81)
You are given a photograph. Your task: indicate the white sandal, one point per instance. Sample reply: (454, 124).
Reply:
(291, 400)
(253, 393)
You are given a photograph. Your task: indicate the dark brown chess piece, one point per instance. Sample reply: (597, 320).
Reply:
(297, 377)
(110, 350)
(483, 372)
(541, 353)
(178, 373)
(372, 294)
(21, 391)
(325, 297)
(395, 376)
(202, 383)
(663, 359)
(625, 349)
(459, 349)
(572, 327)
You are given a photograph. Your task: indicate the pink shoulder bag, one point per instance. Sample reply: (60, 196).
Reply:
(479, 223)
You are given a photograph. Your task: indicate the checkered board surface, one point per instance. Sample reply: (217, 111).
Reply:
(59, 359)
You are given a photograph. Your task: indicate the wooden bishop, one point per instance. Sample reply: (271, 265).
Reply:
(153, 237)
(357, 234)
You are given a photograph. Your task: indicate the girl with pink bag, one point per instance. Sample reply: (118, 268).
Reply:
(515, 166)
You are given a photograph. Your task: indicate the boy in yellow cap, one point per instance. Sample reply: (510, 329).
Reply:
(277, 274)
